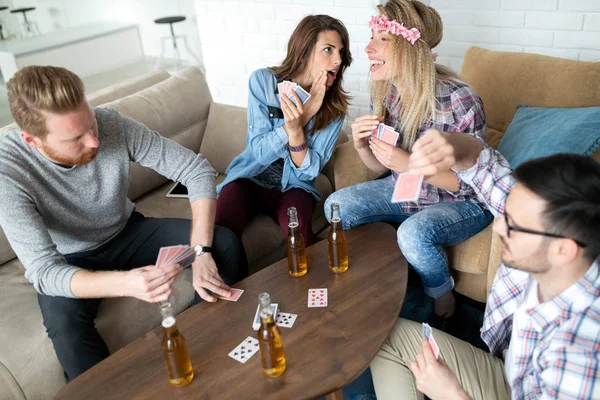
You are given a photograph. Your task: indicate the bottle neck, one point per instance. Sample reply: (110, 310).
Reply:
(336, 224)
(170, 326)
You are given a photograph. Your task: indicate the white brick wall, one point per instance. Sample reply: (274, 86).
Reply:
(240, 36)
(559, 28)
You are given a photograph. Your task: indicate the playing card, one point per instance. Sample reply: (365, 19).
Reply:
(428, 334)
(237, 293)
(281, 88)
(186, 258)
(303, 94)
(286, 320)
(317, 297)
(387, 134)
(244, 350)
(256, 320)
(166, 254)
(408, 187)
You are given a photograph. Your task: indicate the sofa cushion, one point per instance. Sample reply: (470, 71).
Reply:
(127, 87)
(225, 136)
(538, 132)
(176, 108)
(505, 79)
(473, 254)
(25, 349)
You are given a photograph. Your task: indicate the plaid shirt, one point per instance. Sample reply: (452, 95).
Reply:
(561, 341)
(459, 109)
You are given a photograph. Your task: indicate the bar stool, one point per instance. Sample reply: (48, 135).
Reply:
(173, 38)
(30, 28)
(2, 24)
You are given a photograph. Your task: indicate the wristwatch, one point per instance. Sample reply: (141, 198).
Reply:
(199, 249)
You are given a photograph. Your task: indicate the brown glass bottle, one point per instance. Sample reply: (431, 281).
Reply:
(174, 347)
(296, 253)
(269, 340)
(338, 246)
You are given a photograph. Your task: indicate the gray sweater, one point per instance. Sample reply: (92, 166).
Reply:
(47, 210)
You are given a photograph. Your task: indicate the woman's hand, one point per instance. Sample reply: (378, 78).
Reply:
(293, 115)
(317, 94)
(362, 129)
(391, 157)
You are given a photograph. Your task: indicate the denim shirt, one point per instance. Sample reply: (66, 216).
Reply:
(267, 141)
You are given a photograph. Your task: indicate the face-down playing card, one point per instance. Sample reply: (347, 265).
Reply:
(407, 188)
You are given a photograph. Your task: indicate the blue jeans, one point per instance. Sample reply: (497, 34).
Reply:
(422, 235)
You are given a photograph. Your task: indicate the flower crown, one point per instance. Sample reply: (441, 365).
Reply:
(382, 23)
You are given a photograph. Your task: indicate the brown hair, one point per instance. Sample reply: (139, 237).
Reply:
(411, 68)
(299, 49)
(35, 89)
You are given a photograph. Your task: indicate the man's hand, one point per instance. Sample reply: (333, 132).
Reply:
(391, 157)
(431, 154)
(434, 378)
(206, 276)
(149, 283)
(362, 129)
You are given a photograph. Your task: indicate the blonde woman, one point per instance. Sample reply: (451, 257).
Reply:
(413, 94)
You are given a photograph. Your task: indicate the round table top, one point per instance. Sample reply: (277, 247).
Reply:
(169, 20)
(23, 10)
(326, 348)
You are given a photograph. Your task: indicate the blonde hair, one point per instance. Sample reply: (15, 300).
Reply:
(411, 69)
(37, 89)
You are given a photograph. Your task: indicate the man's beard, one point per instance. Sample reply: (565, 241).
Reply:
(534, 263)
(82, 159)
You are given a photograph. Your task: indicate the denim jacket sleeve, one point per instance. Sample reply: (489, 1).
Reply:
(267, 143)
(320, 149)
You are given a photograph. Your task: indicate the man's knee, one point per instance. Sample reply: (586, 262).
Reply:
(67, 318)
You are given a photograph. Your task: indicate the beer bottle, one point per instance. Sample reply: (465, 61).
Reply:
(296, 254)
(269, 340)
(179, 366)
(338, 246)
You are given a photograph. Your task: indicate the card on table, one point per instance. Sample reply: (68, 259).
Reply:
(256, 320)
(244, 350)
(408, 187)
(428, 334)
(237, 293)
(286, 320)
(317, 297)
(387, 134)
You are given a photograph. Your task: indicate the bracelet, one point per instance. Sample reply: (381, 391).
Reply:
(296, 149)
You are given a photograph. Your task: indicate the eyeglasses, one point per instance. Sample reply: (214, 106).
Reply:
(532, 232)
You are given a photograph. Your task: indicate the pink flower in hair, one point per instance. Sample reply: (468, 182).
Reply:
(382, 23)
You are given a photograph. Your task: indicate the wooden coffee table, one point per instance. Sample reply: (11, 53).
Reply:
(325, 349)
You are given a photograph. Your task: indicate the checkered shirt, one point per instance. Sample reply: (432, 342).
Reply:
(559, 358)
(459, 109)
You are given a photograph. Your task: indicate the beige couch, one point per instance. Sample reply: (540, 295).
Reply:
(179, 107)
(503, 80)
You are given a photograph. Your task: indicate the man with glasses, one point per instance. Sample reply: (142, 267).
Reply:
(542, 319)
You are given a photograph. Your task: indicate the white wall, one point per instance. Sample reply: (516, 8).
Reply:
(240, 36)
(559, 28)
(53, 15)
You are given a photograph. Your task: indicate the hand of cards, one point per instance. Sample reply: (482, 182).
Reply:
(286, 88)
(408, 186)
(181, 254)
(386, 134)
(428, 334)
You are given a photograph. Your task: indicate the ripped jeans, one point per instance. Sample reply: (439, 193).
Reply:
(422, 235)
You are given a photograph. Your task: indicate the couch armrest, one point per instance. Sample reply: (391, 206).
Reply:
(349, 168)
(495, 260)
